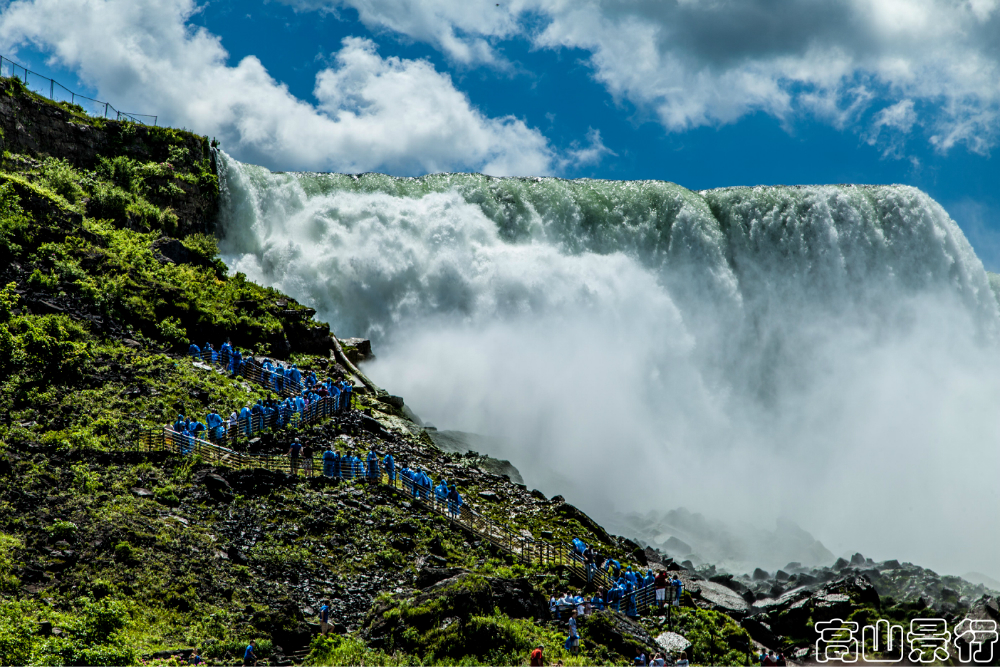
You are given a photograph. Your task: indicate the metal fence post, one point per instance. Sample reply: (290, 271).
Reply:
(106, 109)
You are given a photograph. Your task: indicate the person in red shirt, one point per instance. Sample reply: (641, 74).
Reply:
(538, 657)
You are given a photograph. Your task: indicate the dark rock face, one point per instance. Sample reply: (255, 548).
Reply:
(617, 632)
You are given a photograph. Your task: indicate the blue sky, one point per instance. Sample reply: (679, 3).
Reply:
(703, 94)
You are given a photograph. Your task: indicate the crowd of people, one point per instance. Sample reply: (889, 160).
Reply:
(628, 588)
(306, 398)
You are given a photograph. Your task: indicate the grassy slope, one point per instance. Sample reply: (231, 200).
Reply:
(92, 322)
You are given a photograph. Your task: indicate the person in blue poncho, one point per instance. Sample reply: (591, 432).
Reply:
(300, 404)
(630, 576)
(215, 428)
(454, 501)
(346, 470)
(194, 351)
(329, 462)
(180, 424)
(579, 546)
(390, 468)
(678, 588)
(279, 378)
(208, 353)
(441, 492)
(374, 472)
(335, 394)
(225, 354)
(236, 363)
(613, 567)
(294, 378)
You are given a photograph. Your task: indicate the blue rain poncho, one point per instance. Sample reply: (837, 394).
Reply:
(329, 463)
(390, 467)
(194, 351)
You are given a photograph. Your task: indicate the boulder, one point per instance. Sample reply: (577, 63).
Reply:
(760, 575)
(619, 633)
(671, 642)
(857, 559)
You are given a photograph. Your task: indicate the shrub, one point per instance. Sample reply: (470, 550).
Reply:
(62, 179)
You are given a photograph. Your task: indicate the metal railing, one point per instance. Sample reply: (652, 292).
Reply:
(527, 549)
(57, 92)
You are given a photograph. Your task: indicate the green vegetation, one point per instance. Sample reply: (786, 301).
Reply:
(108, 269)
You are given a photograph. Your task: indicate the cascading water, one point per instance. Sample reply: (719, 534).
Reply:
(823, 354)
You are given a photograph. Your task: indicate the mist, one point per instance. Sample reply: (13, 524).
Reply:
(826, 355)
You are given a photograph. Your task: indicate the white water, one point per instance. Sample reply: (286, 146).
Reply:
(822, 354)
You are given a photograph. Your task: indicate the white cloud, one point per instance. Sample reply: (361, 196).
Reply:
(712, 62)
(374, 113)
(891, 125)
(592, 153)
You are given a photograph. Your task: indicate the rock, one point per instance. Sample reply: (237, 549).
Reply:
(889, 565)
(547, 535)
(760, 575)
(394, 401)
(840, 564)
(216, 485)
(142, 493)
(44, 629)
(618, 633)
(857, 559)
(720, 597)
(357, 349)
(428, 576)
(652, 556)
(538, 494)
(688, 565)
(489, 495)
(671, 642)
(781, 575)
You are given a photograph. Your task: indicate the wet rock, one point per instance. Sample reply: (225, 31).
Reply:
(760, 575)
(857, 559)
(139, 492)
